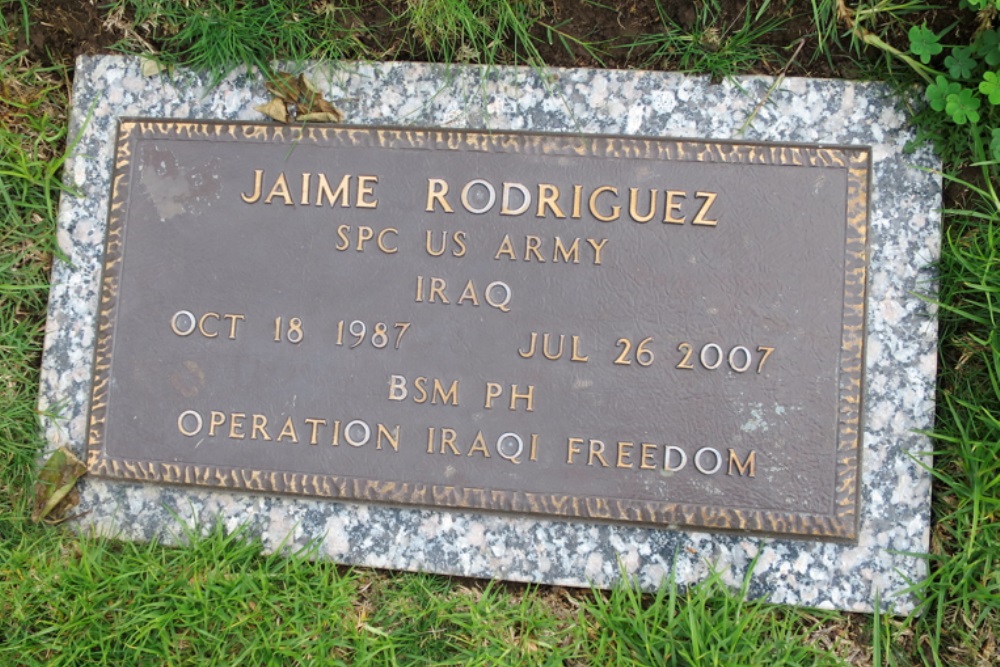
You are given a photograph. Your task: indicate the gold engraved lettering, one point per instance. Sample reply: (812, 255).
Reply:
(448, 436)
(572, 448)
(530, 352)
(315, 424)
(397, 388)
(686, 362)
(598, 247)
(335, 440)
(533, 456)
(343, 191)
(305, 188)
(458, 239)
(437, 290)
(215, 419)
(624, 455)
(437, 189)
(548, 195)
(366, 192)
(506, 248)
(672, 206)
(592, 204)
(681, 458)
(596, 451)
(401, 328)
(505, 208)
(438, 394)
(576, 356)
(747, 468)
(528, 397)
(236, 425)
(699, 218)
(280, 189)
(392, 437)
(493, 390)
(365, 234)
(201, 325)
(288, 431)
(469, 294)
(233, 319)
(767, 353)
(552, 356)
(531, 244)
(420, 289)
(577, 196)
(483, 208)
(447, 397)
(633, 209)
(258, 182)
(562, 251)
(431, 250)
(259, 425)
(420, 385)
(479, 445)
(648, 452)
(381, 241)
(573, 251)
(345, 242)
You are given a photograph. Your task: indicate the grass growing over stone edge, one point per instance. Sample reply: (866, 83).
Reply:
(33, 104)
(70, 600)
(960, 618)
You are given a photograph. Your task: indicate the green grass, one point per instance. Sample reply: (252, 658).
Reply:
(218, 36)
(963, 593)
(216, 601)
(473, 30)
(961, 598)
(72, 600)
(705, 625)
(711, 46)
(32, 141)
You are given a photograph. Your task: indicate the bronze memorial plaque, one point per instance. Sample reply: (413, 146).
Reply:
(656, 331)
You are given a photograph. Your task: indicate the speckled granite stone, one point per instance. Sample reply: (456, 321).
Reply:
(899, 391)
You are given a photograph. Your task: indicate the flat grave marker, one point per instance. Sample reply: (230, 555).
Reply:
(557, 348)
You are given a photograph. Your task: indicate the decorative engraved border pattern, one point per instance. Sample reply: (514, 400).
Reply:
(840, 524)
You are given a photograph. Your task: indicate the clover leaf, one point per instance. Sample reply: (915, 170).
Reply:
(988, 46)
(978, 4)
(995, 144)
(960, 63)
(938, 92)
(990, 86)
(963, 107)
(924, 43)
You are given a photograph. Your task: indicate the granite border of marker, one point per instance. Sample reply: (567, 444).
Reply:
(904, 232)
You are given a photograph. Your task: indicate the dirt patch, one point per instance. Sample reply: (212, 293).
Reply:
(62, 29)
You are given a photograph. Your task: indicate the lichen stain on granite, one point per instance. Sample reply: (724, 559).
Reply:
(904, 239)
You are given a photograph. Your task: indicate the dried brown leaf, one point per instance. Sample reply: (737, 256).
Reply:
(150, 67)
(306, 86)
(310, 105)
(276, 109)
(54, 490)
(313, 102)
(286, 86)
(321, 117)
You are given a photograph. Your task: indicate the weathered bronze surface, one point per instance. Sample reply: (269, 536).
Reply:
(656, 331)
